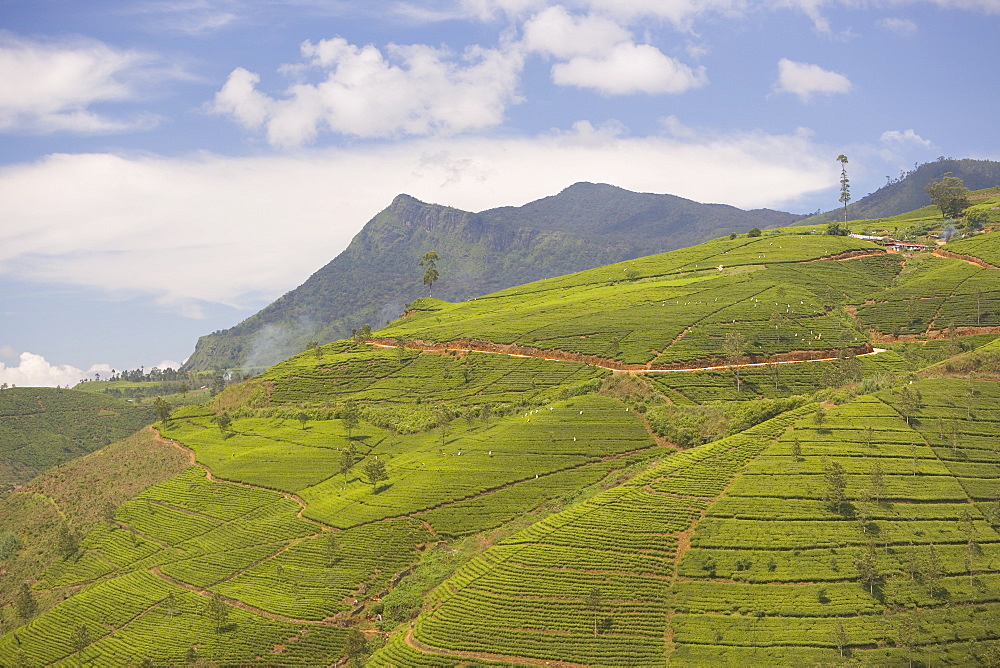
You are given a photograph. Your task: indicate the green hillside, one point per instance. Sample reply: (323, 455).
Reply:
(41, 427)
(906, 192)
(584, 226)
(791, 460)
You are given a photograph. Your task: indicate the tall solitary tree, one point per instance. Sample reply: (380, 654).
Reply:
(81, 640)
(845, 184)
(431, 275)
(594, 604)
(836, 485)
(223, 420)
(867, 566)
(347, 458)
(351, 417)
(735, 349)
(162, 409)
(25, 603)
(217, 611)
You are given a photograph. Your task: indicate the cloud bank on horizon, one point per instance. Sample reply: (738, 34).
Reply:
(192, 155)
(35, 371)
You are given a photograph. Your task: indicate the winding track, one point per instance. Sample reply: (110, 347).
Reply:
(547, 355)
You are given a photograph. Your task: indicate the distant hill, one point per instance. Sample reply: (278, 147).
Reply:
(41, 427)
(907, 193)
(586, 225)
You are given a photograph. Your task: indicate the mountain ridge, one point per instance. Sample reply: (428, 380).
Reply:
(584, 226)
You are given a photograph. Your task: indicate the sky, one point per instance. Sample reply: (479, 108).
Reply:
(169, 167)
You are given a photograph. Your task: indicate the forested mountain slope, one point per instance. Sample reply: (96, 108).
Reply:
(907, 193)
(586, 225)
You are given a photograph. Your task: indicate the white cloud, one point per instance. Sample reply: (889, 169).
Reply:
(248, 229)
(629, 68)
(410, 90)
(168, 364)
(814, 10)
(556, 32)
(904, 137)
(600, 54)
(50, 87)
(898, 26)
(488, 10)
(34, 371)
(805, 80)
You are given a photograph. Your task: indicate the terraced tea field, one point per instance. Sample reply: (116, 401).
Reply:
(528, 510)
(42, 427)
(679, 306)
(743, 560)
(429, 470)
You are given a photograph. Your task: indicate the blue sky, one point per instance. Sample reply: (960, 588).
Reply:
(169, 167)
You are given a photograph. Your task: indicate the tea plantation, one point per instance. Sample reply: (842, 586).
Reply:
(774, 450)
(41, 427)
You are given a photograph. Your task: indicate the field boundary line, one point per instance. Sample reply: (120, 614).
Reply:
(236, 602)
(971, 259)
(193, 458)
(517, 350)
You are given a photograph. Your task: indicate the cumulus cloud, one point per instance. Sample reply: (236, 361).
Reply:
(408, 90)
(600, 54)
(123, 224)
(556, 32)
(34, 371)
(51, 87)
(904, 137)
(629, 68)
(806, 80)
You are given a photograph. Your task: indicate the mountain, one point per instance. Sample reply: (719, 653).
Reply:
(907, 192)
(682, 459)
(586, 225)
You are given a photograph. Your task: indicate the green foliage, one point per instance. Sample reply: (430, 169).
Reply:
(9, 544)
(375, 471)
(949, 194)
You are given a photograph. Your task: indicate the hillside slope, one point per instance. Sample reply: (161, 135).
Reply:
(907, 193)
(581, 471)
(41, 427)
(586, 225)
